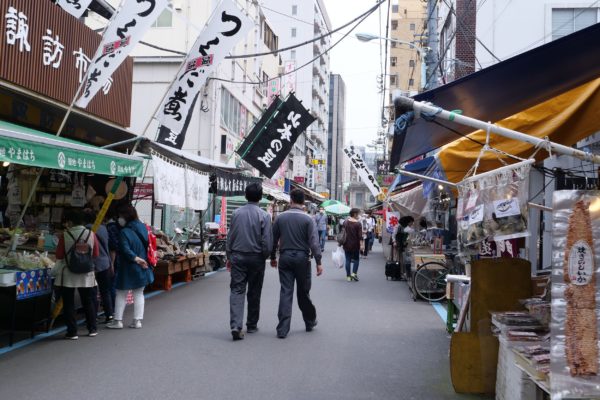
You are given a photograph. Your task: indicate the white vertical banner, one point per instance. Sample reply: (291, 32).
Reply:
(169, 183)
(74, 7)
(224, 29)
(196, 197)
(362, 170)
(126, 29)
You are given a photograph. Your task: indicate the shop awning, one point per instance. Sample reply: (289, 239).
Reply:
(185, 157)
(276, 194)
(21, 145)
(409, 202)
(419, 167)
(310, 193)
(551, 90)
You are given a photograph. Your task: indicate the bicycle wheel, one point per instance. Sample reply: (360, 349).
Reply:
(430, 281)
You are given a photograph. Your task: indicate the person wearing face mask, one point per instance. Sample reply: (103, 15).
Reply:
(134, 273)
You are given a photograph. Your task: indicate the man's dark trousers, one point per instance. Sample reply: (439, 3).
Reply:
(246, 270)
(294, 266)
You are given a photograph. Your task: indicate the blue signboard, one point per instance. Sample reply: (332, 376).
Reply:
(33, 283)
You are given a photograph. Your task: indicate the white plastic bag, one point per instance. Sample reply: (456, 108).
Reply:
(339, 257)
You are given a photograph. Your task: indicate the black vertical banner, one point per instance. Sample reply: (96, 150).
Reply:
(267, 151)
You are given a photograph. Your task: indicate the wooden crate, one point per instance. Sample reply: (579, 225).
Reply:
(165, 282)
(167, 267)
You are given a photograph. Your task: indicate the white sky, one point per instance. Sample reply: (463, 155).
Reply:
(359, 65)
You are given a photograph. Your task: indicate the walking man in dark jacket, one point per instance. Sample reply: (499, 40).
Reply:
(249, 243)
(295, 232)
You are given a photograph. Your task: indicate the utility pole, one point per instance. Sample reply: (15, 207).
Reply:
(433, 41)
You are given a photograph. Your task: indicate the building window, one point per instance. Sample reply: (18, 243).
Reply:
(393, 44)
(359, 199)
(394, 24)
(293, 54)
(395, 8)
(164, 20)
(411, 63)
(269, 38)
(393, 80)
(234, 116)
(569, 20)
(393, 61)
(223, 144)
(293, 32)
(411, 82)
(412, 27)
(294, 9)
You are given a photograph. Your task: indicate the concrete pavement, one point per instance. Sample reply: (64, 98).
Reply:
(372, 342)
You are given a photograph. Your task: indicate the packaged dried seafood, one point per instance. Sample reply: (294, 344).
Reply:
(575, 323)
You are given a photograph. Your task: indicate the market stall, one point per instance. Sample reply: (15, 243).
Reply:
(71, 175)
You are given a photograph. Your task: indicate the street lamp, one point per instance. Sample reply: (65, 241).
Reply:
(366, 37)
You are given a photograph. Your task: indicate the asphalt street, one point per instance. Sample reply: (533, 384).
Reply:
(372, 342)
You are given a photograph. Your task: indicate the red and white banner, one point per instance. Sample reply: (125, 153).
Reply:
(74, 7)
(225, 28)
(126, 29)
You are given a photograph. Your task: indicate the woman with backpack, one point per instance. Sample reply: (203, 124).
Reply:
(74, 269)
(134, 272)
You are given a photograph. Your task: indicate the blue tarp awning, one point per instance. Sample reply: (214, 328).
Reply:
(418, 167)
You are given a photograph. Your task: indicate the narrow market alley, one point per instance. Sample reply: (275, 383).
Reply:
(372, 342)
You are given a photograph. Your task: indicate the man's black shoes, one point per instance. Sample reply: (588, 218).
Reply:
(311, 325)
(252, 329)
(237, 334)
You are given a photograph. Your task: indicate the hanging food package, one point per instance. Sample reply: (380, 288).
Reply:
(474, 213)
(575, 325)
(506, 211)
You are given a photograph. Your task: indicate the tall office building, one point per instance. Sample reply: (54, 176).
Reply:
(336, 136)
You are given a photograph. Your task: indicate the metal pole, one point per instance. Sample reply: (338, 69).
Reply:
(421, 107)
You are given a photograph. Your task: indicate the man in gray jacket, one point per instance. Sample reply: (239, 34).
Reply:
(249, 243)
(296, 234)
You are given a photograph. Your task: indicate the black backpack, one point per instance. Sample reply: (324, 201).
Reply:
(79, 257)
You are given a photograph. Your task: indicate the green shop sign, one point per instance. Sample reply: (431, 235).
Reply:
(25, 146)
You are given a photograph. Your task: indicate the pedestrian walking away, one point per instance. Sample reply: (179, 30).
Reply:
(295, 235)
(133, 273)
(354, 234)
(321, 221)
(75, 253)
(249, 244)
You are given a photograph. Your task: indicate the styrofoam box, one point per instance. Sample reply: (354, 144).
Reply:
(7, 278)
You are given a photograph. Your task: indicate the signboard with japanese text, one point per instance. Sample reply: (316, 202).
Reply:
(49, 155)
(143, 190)
(169, 182)
(230, 184)
(258, 128)
(196, 189)
(383, 167)
(74, 7)
(176, 140)
(271, 147)
(39, 53)
(227, 26)
(289, 79)
(361, 169)
(126, 29)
